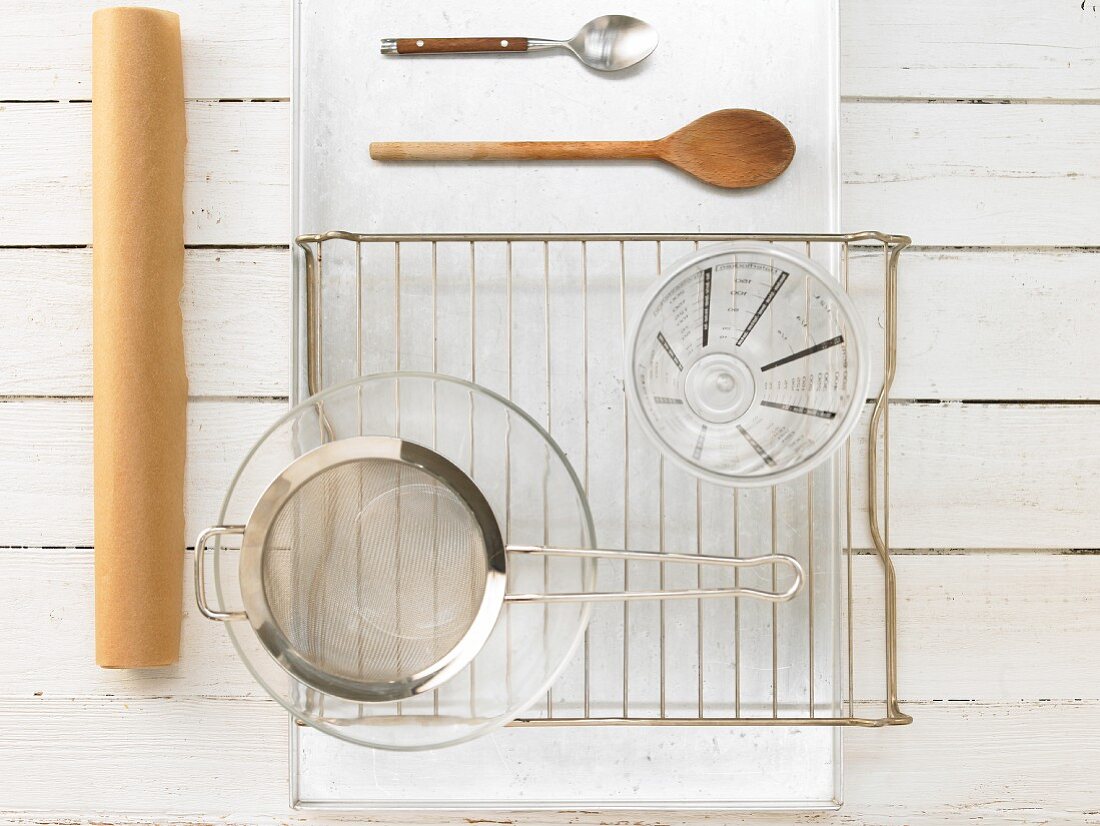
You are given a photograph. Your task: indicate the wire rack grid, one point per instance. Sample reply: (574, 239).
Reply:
(541, 319)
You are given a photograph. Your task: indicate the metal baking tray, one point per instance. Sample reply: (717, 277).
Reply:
(703, 706)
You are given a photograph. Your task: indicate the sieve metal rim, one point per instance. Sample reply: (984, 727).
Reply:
(267, 509)
(859, 347)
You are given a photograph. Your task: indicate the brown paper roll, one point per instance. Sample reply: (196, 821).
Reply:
(140, 403)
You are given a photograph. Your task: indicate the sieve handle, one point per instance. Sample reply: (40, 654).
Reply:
(200, 572)
(654, 556)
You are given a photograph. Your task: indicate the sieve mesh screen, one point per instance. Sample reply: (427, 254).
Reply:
(374, 570)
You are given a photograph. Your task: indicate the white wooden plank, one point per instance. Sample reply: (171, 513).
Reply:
(1024, 175)
(237, 173)
(186, 761)
(963, 476)
(939, 48)
(236, 320)
(985, 476)
(1001, 476)
(953, 339)
(995, 325)
(952, 766)
(987, 324)
(958, 616)
(983, 626)
(101, 758)
(230, 50)
(49, 651)
(47, 447)
(1029, 49)
(972, 175)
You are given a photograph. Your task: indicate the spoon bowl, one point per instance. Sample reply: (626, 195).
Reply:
(730, 148)
(613, 42)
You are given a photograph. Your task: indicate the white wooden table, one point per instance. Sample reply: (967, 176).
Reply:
(972, 126)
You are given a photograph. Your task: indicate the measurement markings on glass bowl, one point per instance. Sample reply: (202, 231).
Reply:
(806, 411)
(776, 287)
(706, 305)
(668, 349)
(768, 460)
(801, 354)
(699, 442)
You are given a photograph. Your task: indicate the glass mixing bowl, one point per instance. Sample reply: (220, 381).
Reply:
(536, 499)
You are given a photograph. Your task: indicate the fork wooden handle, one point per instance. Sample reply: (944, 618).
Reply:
(458, 45)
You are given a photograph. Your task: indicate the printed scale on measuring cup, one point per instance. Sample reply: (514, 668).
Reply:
(747, 364)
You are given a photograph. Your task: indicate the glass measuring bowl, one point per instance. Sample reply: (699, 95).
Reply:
(747, 364)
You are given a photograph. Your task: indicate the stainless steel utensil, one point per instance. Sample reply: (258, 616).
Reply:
(608, 43)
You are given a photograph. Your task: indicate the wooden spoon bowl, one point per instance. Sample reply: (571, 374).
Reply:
(731, 148)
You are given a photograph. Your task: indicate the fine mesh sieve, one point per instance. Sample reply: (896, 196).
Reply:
(374, 569)
(373, 617)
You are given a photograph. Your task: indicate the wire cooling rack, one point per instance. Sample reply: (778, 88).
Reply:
(542, 319)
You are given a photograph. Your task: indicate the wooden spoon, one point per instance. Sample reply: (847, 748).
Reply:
(731, 148)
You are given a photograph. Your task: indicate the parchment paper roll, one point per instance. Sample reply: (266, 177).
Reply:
(140, 403)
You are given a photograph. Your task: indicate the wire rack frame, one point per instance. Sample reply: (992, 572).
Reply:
(852, 710)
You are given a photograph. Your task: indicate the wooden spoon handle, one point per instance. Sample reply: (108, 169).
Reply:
(453, 45)
(514, 151)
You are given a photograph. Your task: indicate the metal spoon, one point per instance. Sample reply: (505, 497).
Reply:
(608, 43)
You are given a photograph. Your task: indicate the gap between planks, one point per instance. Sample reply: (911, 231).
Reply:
(946, 551)
(909, 250)
(15, 398)
(963, 101)
(861, 99)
